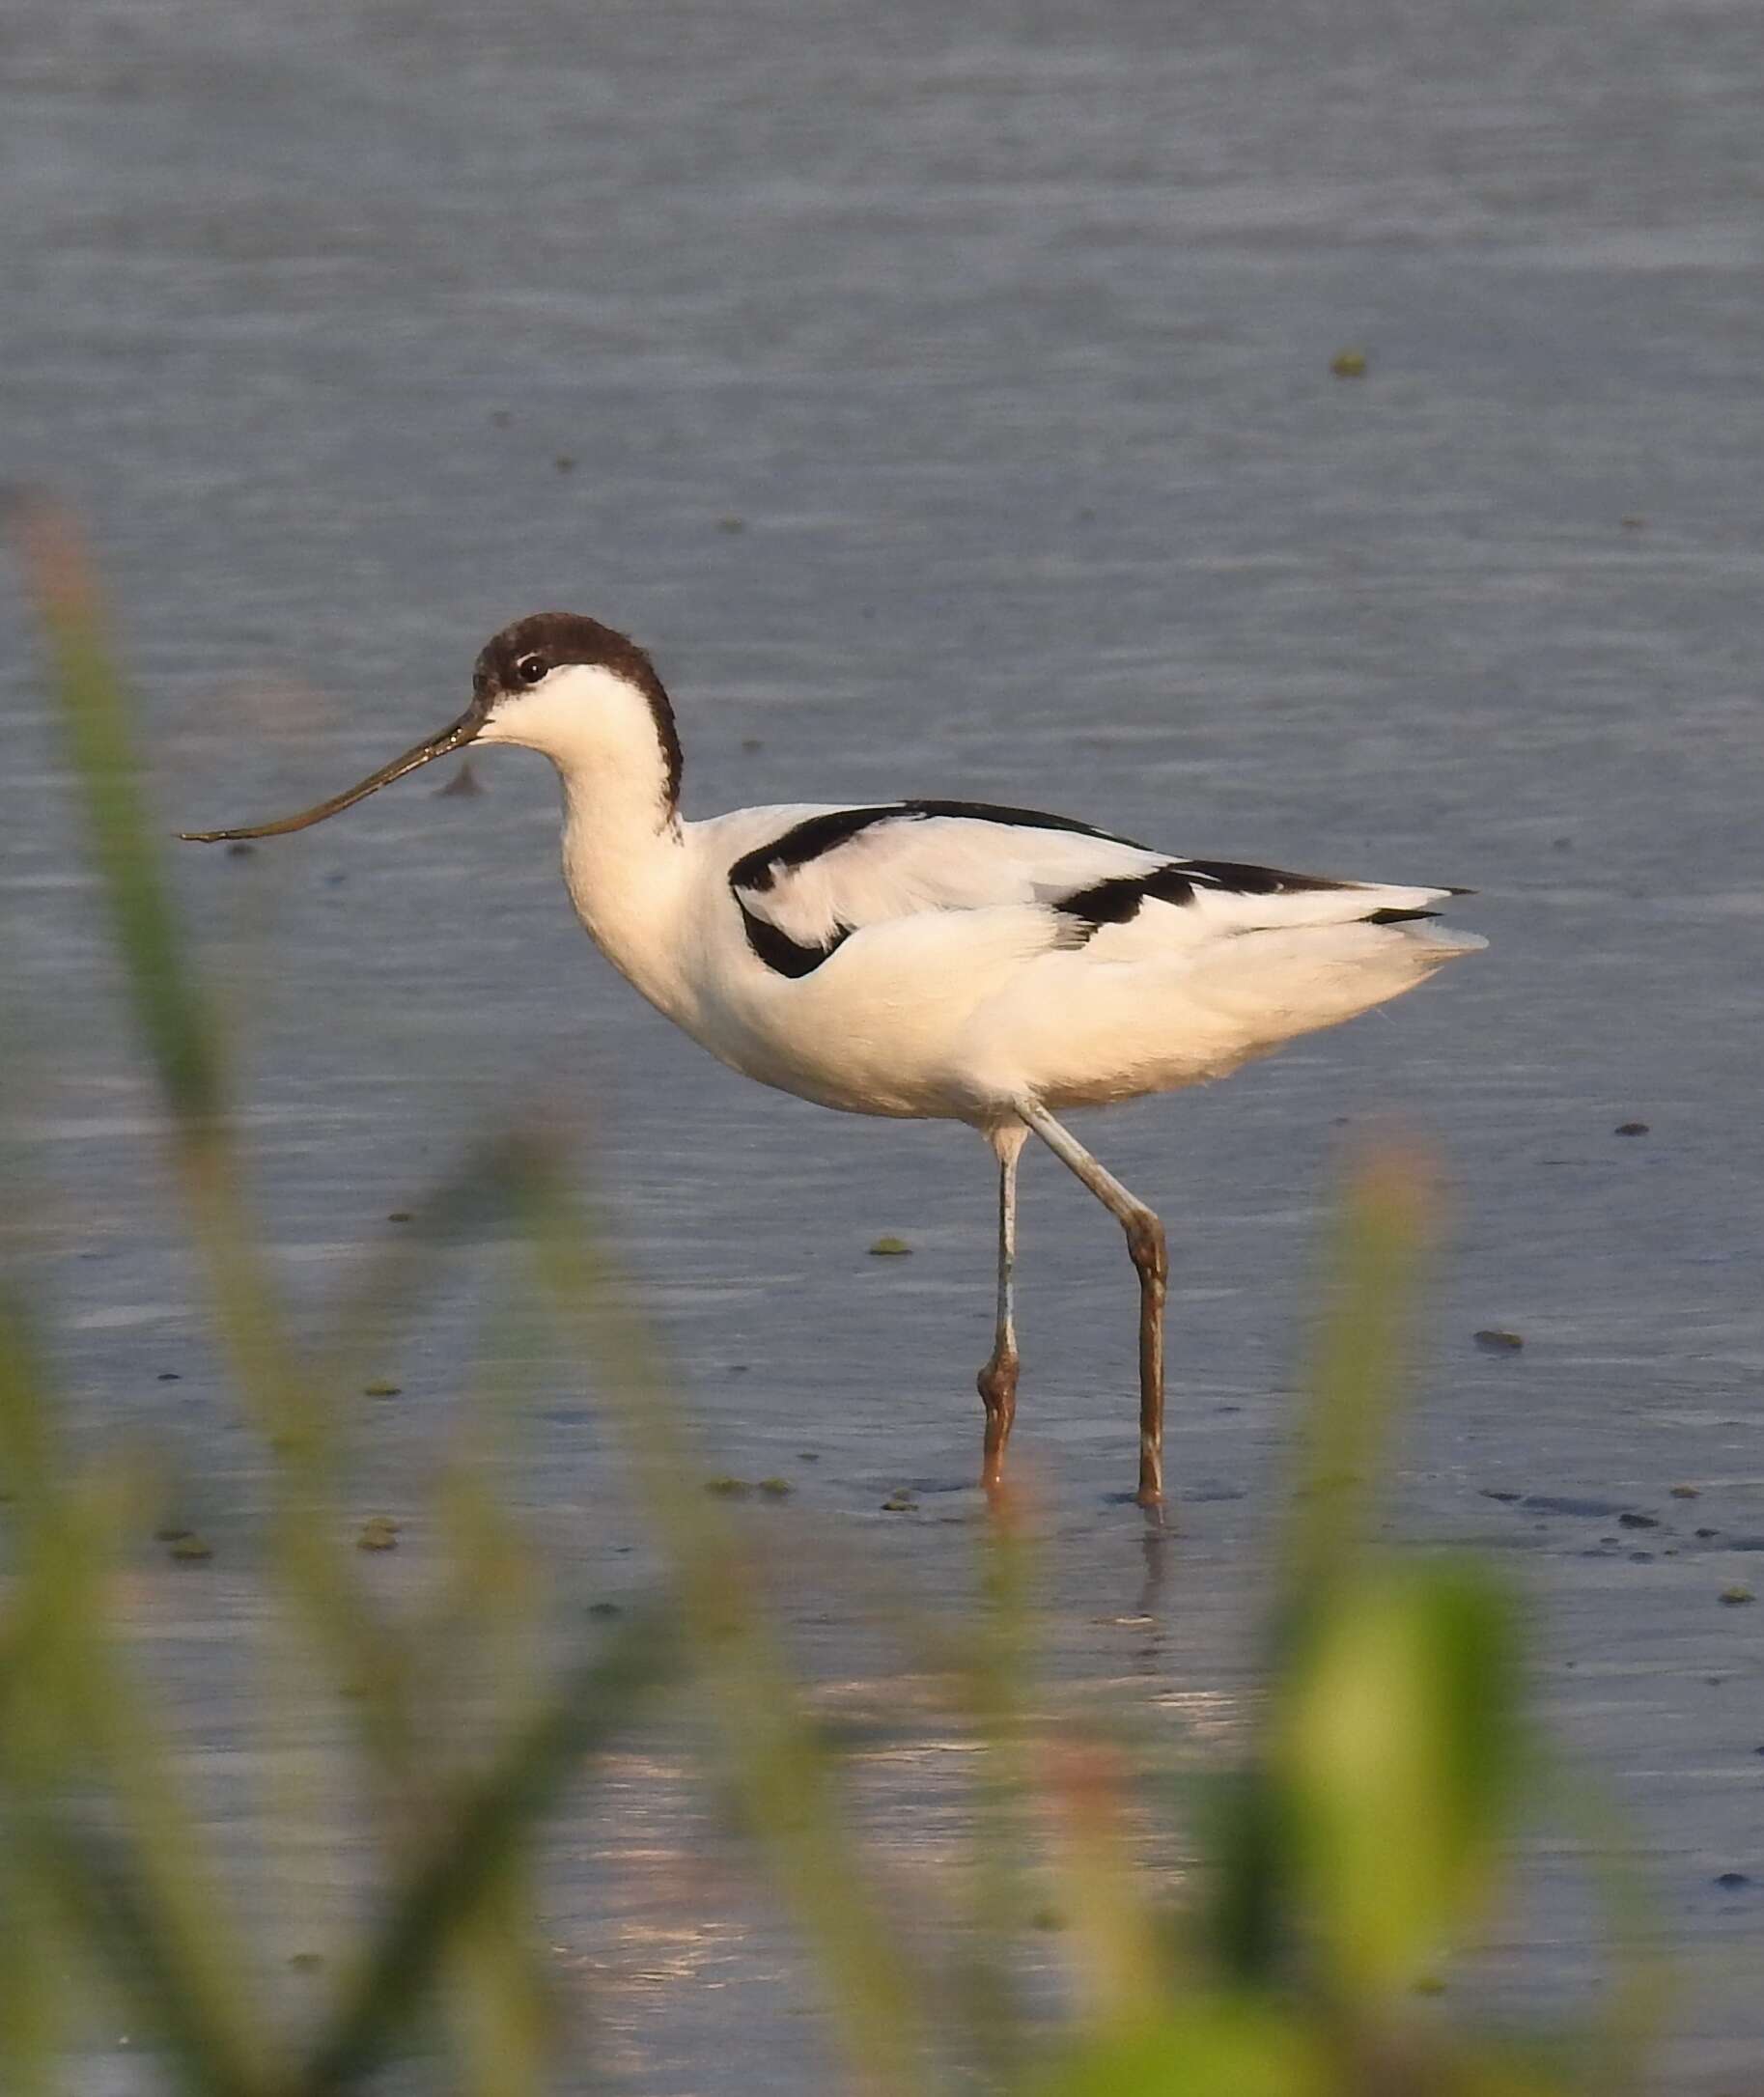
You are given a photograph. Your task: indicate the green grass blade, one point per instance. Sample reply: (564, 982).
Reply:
(782, 1773)
(473, 1846)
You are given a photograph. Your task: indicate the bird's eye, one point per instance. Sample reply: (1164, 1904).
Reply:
(530, 669)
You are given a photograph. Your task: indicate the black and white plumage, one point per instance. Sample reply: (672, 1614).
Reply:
(929, 959)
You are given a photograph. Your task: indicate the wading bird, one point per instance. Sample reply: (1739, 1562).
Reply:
(937, 959)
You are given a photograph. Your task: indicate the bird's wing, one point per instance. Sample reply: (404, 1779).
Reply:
(817, 880)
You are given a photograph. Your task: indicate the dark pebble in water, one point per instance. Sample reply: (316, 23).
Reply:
(808, 1456)
(604, 1610)
(1641, 1557)
(1732, 1882)
(379, 1532)
(171, 1532)
(306, 1962)
(1706, 1534)
(1492, 1340)
(1551, 1503)
(1498, 1493)
(170, 1376)
(751, 745)
(190, 1550)
(1630, 1127)
(398, 1215)
(1631, 523)
(1629, 1520)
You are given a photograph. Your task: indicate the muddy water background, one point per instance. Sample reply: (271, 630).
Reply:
(946, 397)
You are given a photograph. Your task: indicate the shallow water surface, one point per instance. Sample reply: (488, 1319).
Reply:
(945, 396)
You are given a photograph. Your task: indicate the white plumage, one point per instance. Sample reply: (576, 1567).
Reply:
(933, 960)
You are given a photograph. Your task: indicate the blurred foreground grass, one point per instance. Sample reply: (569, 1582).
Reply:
(1365, 1834)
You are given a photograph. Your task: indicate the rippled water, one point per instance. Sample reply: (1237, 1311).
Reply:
(945, 396)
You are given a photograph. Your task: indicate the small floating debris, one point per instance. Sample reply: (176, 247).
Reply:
(1503, 1493)
(305, 1962)
(900, 1502)
(379, 1532)
(398, 1215)
(1736, 1596)
(1686, 1492)
(775, 1489)
(890, 1249)
(189, 1549)
(751, 745)
(1630, 1127)
(732, 523)
(171, 1532)
(564, 462)
(728, 1489)
(1633, 522)
(605, 1609)
(381, 1390)
(1494, 1340)
(1348, 364)
(1628, 1520)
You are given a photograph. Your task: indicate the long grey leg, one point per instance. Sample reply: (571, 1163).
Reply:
(1145, 1243)
(998, 1381)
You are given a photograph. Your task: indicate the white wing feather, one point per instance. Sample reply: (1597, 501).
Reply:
(903, 862)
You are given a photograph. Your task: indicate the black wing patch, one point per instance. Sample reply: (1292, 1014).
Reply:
(783, 955)
(1118, 902)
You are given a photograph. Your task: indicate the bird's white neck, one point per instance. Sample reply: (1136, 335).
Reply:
(625, 865)
(624, 861)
